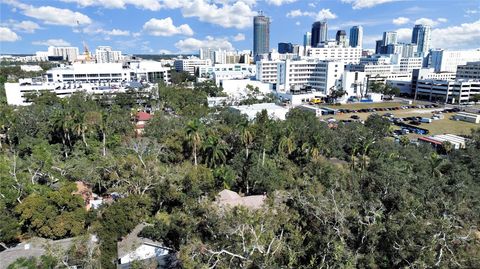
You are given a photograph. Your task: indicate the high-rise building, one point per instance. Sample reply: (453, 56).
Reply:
(319, 33)
(67, 53)
(341, 38)
(285, 47)
(421, 37)
(105, 54)
(389, 38)
(307, 39)
(448, 60)
(356, 36)
(261, 35)
(379, 47)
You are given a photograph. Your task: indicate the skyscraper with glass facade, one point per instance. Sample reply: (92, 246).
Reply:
(261, 35)
(356, 36)
(421, 37)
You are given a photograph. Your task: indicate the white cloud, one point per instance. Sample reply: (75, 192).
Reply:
(404, 35)
(165, 27)
(426, 21)
(226, 13)
(323, 14)
(311, 5)
(51, 15)
(472, 11)
(239, 15)
(430, 22)
(143, 4)
(400, 20)
(26, 26)
(279, 2)
(359, 4)
(463, 36)
(52, 42)
(192, 45)
(297, 23)
(239, 37)
(7, 35)
(117, 32)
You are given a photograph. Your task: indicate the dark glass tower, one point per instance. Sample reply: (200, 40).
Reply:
(261, 35)
(356, 36)
(319, 33)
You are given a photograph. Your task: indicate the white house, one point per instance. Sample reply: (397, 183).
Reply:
(134, 248)
(273, 110)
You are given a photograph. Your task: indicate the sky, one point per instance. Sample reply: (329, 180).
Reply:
(183, 26)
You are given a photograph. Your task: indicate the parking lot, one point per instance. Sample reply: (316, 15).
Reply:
(409, 114)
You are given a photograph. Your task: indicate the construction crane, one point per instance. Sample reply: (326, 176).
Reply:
(86, 51)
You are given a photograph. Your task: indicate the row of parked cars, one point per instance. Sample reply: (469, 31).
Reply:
(364, 110)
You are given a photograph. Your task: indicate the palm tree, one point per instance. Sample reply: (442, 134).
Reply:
(286, 144)
(215, 150)
(447, 147)
(247, 137)
(194, 136)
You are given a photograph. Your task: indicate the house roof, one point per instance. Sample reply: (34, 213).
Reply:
(227, 198)
(143, 116)
(132, 241)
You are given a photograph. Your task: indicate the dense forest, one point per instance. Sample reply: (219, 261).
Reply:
(343, 196)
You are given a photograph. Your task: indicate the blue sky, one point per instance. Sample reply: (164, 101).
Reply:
(173, 26)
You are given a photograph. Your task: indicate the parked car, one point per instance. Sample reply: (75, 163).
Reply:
(355, 117)
(414, 122)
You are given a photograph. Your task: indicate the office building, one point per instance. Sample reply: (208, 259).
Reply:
(448, 60)
(69, 54)
(93, 78)
(105, 54)
(285, 48)
(356, 36)
(320, 75)
(261, 35)
(379, 47)
(267, 71)
(421, 37)
(307, 39)
(319, 33)
(448, 91)
(341, 38)
(429, 73)
(190, 65)
(389, 38)
(471, 70)
(333, 52)
(220, 72)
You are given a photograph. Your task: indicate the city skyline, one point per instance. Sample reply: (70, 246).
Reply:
(167, 26)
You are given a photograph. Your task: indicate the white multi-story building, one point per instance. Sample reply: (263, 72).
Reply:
(471, 70)
(149, 71)
(267, 71)
(68, 53)
(448, 91)
(448, 60)
(354, 84)
(333, 52)
(105, 54)
(94, 78)
(407, 65)
(220, 72)
(320, 75)
(191, 65)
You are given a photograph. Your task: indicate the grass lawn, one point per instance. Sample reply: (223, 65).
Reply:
(442, 126)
